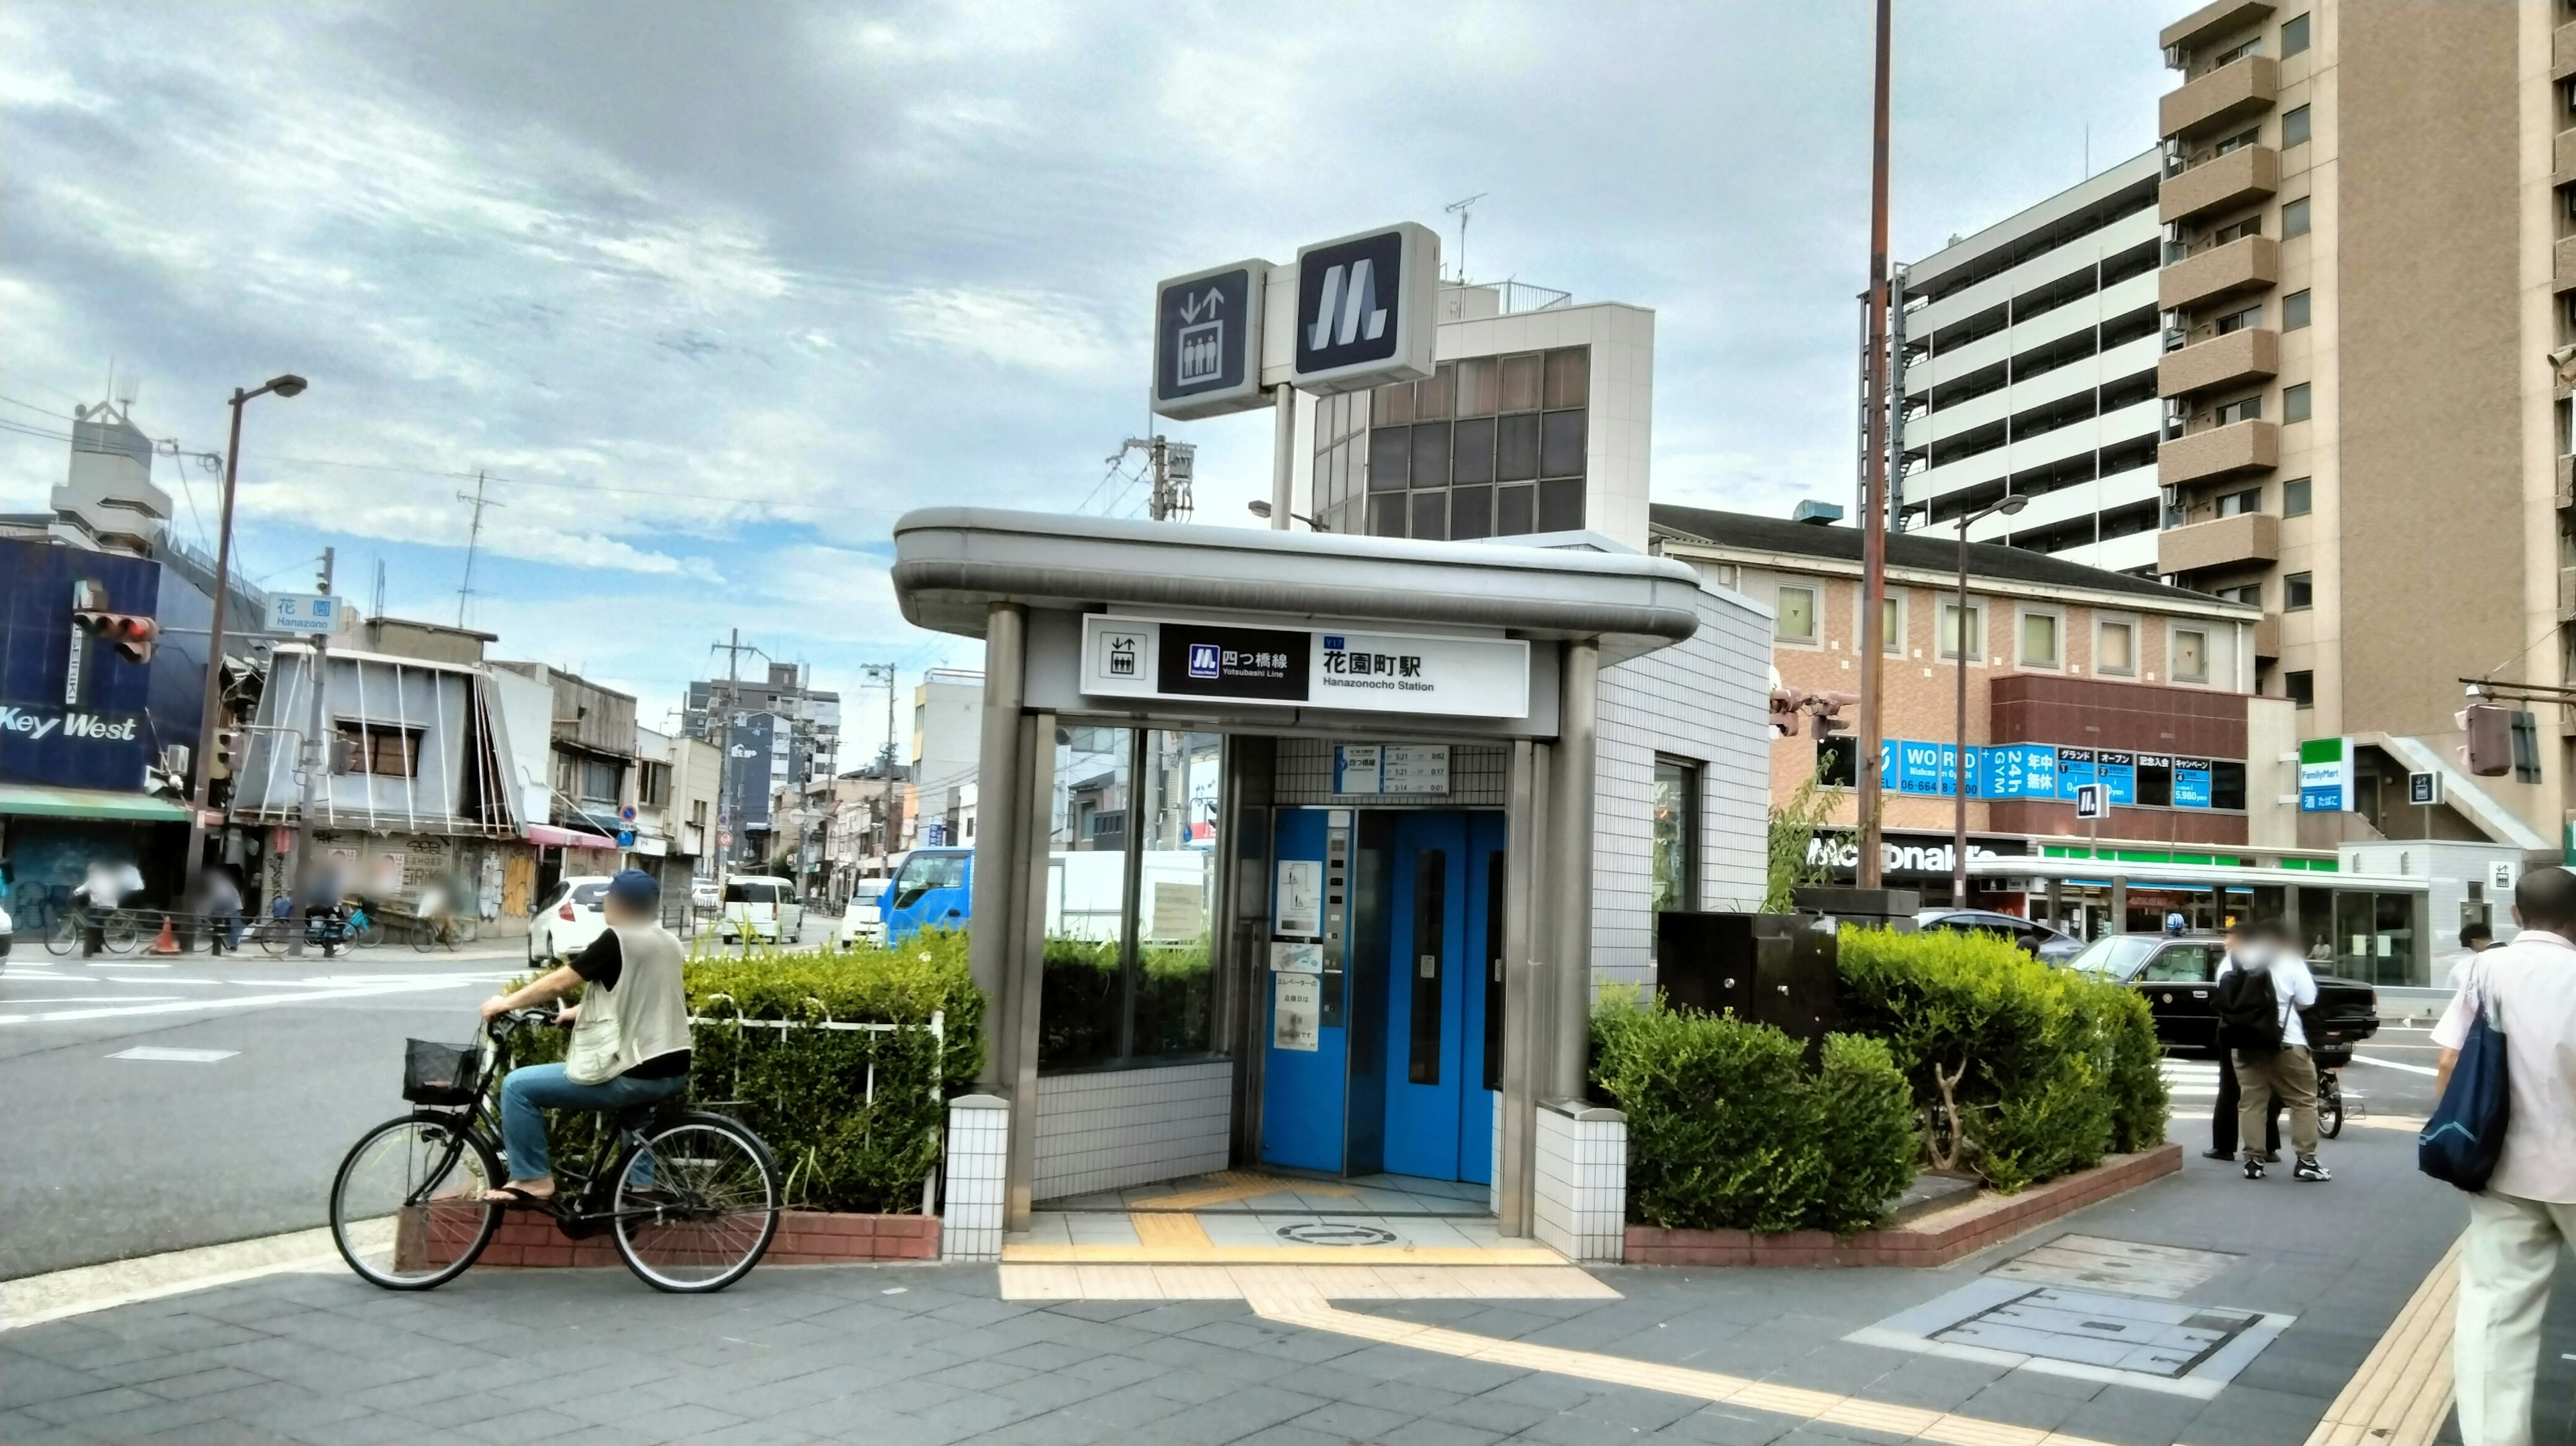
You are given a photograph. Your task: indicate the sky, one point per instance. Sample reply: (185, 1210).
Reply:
(709, 294)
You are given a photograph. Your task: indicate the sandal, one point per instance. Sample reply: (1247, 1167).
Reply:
(511, 1197)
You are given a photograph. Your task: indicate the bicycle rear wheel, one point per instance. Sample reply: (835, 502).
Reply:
(696, 1204)
(122, 933)
(423, 934)
(2330, 1108)
(65, 934)
(407, 1207)
(273, 935)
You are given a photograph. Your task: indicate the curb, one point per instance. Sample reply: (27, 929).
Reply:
(36, 1299)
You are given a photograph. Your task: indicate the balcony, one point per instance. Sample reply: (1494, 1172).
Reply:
(2566, 483)
(2267, 636)
(2567, 594)
(2562, 52)
(2562, 264)
(2227, 451)
(2248, 173)
(2211, 21)
(2222, 361)
(2220, 542)
(2248, 263)
(2234, 92)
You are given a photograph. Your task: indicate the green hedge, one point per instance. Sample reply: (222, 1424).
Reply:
(806, 1091)
(2049, 1069)
(1727, 1129)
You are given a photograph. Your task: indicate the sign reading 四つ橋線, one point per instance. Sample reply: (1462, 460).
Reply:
(1333, 667)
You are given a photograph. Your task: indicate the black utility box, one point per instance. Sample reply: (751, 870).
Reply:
(1868, 908)
(1775, 969)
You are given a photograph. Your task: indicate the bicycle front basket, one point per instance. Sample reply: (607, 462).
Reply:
(440, 1074)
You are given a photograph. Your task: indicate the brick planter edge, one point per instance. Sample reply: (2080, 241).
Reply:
(805, 1237)
(1935, 1239)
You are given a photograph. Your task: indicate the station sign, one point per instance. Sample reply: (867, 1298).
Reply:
(303, 612)
(1367, 309)
(1300, 664)
(1207, 341)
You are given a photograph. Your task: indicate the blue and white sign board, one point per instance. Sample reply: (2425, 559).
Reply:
(2118, 774)
(303, 612)
(2191, 783)
(1385, 768)
(2021, 770)
(1367, 309)
(1207, 341)
(2325, 775)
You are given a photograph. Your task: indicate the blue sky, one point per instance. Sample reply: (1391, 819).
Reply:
(715, 292)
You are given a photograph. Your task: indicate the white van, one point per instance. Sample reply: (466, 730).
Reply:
(863, 922)
(762, 907)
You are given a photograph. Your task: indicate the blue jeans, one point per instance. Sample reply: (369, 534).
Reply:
(530, 1090)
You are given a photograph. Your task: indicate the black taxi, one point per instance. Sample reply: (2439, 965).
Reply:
(2178, 974)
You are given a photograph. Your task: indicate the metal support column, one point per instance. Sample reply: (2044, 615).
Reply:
(1523, 828)
(2119, 904)
(1283, 455)
(1569, 850)
(1026, 930)
(988, 950)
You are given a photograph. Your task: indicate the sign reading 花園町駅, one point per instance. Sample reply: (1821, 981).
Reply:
(1303, 665)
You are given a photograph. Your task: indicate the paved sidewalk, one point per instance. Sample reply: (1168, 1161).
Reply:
(896, 1354)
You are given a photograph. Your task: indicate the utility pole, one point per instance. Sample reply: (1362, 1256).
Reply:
(1174, 466)
(317, 764)
(725, 820)
(473, 538)
(1873, 547)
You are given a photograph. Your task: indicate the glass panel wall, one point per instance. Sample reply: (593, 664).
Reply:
(1486, 447)
(1131, 897)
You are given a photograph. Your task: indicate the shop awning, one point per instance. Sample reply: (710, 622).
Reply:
(36, 800)
(2143, 875)
(546, 835)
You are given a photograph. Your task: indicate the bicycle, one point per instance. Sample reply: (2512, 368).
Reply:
(2329, 1103)
(690, 1197)
(325, 932)
(118, 935)
(441, 931)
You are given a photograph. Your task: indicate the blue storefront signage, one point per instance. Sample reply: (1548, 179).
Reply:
(2038, 770)
(90, 690)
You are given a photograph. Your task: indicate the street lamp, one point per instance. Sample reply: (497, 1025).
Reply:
(1260, 507)
(2012, 503)
(288, 385)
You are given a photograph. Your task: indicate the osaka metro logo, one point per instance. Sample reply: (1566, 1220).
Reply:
(1347, 307)
(1205, 660)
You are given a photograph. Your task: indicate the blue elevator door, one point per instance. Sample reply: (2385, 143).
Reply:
(1439, 1109)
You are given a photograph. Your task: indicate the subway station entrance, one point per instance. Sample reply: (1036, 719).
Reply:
(1330, 920)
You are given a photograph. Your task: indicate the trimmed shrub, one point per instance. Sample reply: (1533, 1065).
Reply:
(2018, 1072)
(1728, 1130)
(853, 1116)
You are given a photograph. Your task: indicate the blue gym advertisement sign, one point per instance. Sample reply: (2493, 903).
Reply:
(2036, 770)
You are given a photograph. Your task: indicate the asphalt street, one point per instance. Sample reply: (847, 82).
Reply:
(256, 1075)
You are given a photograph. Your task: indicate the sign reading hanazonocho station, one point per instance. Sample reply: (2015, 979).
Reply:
(1318, 667)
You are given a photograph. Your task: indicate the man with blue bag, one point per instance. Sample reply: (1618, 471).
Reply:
(2506, 1131)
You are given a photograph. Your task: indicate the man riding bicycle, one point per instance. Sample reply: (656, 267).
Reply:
(630, 1038)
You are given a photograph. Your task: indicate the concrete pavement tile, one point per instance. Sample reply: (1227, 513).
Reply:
(448, 1400)
(20, 1430)
(2029, 1398)
(599, 1436)
(978, 1375)
(1330, 1382)
(908, 1397)
(1491, 1412)
(1638, 1409)
(685, 1422)
(1240, 1334)
(1294, 1435)
(280, 1406)
(1446, 1373)
(1222, 1369)
(26, 1380)
(1113, 1370)
(1239, 1414)
(216, 1433)
(1046, 1355)
(376, 1428)
(1721, 1426)
(69, 1410)
(1310, 1346)
(1547, 1392)
(907, 1431)
(1052, 1390)
(1059, 1428)
(133, 1423)
(1125, 1407)
(755, 1433)
(2248, 1416)
(2138, 1418)
(977, 1413)
(1410, 1397)
(1358, 1422)
(534, 1424)
(1568, 1428)
(970, 1311)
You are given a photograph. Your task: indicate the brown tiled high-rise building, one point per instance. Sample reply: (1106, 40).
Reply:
(2370, 256)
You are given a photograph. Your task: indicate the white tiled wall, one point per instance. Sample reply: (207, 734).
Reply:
(1131, 1126)
(1581, 1195)
(979, 1132)
(1704, 700)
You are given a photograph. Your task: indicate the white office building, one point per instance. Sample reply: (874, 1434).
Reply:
(2029, 365)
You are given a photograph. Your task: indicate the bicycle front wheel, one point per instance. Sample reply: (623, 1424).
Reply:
(123, 933)
(273, 934)
(424, 934)
(2330, 1110)
(64, 936)
(696, 1204)
(407, 1208)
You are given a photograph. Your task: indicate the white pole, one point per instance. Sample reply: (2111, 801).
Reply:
(1283, 456)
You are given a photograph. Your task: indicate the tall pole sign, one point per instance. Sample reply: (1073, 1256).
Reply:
(1873, 520)
(1367, 309)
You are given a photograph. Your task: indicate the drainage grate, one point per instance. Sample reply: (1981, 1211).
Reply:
(2094, 1262)
(2120, 1333)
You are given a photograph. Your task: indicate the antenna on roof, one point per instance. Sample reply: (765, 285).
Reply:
(1460, 209)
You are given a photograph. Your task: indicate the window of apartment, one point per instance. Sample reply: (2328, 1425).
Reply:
(2295, 403)
(2300, 687)
(1838, 761)
(2115, 648)
(1676, 833)
(2039, 631)
(2294, 36)
(1797, 617)
(1891, 624)
(2239, 141)
(2236, 504)
(384, 750)
(698, 812)
(2243, 409)
(2237, 230)
(2294, 127)
(2190, 655)
(2237, 52)
(1486, 447)
(2566, 413)
(2240, 320)
(2250, 594)
(2299, 590)
(595, 779)
(653, 784)
(2294, 310)
(1950, 629)
(2296, 497)
(2294, 217)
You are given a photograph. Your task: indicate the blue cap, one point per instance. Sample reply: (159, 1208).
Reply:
(635, 887)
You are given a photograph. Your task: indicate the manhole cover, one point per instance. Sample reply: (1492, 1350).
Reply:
(1325, 1232)
(2094, 1262)
(2120, 1333)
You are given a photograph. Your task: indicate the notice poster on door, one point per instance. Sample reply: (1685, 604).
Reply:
(1300, 906)
(1301, 957)
(1296, 1012)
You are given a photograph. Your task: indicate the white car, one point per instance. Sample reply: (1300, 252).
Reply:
(863, 922)
(760, 906)
(572, 916)
(705, 894)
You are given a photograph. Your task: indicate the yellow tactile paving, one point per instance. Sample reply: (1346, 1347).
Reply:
(1170, 1232)
(2402, 1393)
(1048, 1281)
(1234, 1185)
(1296, 1303)
(1035, 1253)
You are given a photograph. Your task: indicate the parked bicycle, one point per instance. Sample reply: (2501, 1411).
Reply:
(690, 1197)
(2329, 1102)
(333, 930)
(121, 932)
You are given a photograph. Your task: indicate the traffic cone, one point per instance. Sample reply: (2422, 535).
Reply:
(168, 943)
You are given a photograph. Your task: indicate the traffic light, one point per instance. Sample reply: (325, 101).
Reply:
(2490, 731)
(228, 753)
(132, 634)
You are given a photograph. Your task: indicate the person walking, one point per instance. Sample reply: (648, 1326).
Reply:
(219, 901)
(2475, 939)
(2260, 995)
(2241, 944)
(96, 897)
(2527, 1213)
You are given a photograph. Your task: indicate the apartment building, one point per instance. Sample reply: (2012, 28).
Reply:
(2367, 263)
(2026, 359)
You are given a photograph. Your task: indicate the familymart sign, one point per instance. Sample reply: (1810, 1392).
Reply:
(2325, 775)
